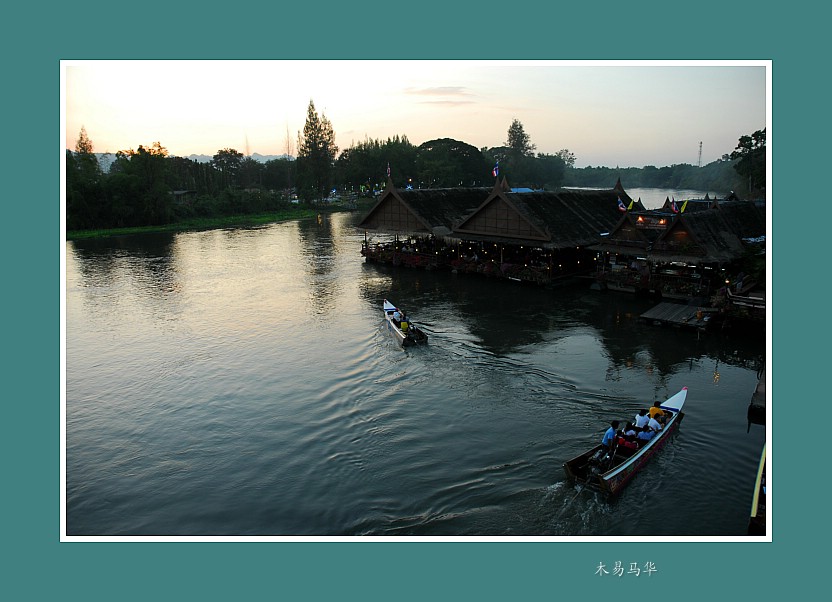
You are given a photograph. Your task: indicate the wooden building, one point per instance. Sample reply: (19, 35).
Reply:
(678, 253)
(529, 236)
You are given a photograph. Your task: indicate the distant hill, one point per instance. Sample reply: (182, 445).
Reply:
(106, 159)
(255, 156)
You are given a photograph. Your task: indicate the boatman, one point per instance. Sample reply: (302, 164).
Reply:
(609, 436)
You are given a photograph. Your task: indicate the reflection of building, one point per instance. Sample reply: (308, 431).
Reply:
(540, 237)
(528, 236)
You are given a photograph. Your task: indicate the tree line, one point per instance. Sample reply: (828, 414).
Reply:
(149, 187)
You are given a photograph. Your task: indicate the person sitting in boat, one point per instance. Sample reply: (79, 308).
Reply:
(656, 410)
(645, 435)
(655, 425)
(641, 419)
(627, 437)
(609, 436)
(397, 317)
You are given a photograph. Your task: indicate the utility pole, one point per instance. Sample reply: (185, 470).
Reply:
(700, 153)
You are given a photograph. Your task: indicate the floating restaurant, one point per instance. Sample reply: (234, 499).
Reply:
(546, 237)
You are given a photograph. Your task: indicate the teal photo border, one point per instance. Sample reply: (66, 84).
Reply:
(38, 566)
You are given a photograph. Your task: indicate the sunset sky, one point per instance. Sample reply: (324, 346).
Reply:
(610, 114)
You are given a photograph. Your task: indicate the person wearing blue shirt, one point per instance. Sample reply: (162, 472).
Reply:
(609, 436)
(645, 435)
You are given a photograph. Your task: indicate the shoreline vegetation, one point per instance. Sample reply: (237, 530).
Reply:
(204, 223)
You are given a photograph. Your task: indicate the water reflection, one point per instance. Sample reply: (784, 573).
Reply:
(505, 318)
(199, 357)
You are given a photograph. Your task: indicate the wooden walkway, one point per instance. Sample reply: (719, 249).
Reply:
(676, 314)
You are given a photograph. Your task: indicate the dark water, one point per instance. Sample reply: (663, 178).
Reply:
(240, 382)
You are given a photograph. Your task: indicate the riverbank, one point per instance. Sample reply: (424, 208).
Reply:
(205, 223)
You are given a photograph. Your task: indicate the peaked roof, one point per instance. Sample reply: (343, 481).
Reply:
(433, 211)
(548, 219)
(567, 218)
(710, 236)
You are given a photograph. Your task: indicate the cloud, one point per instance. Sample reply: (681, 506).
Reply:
(439, 91)
(444, 96)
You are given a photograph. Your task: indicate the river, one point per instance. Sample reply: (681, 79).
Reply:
(240, 382)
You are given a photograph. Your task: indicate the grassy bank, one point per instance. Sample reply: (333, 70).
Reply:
(206, 223)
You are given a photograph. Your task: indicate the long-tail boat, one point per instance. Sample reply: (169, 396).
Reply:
(609, 472)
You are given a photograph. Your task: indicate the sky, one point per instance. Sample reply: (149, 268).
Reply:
(613, 114)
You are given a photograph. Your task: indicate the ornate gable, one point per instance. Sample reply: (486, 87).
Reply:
(393, 214)
(498, 217)
(679, 239)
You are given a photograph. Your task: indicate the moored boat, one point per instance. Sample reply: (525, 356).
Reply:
(403, 330)
(609, 473)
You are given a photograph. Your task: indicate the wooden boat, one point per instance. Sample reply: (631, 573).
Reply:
(610, 474)
(757, 523)
(405, 332)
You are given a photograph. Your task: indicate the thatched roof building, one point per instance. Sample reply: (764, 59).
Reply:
(424, 211)
(552, 220)
(702, 236)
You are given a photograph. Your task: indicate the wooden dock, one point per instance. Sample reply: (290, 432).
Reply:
(678, 315)
(757, 406)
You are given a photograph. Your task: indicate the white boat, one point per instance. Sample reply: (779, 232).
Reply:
(403, 330)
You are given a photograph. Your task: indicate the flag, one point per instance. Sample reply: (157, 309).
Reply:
(682, 210)
(496, 171)
(388, 170)
(673, 206)
(630, 206)
(621, 206)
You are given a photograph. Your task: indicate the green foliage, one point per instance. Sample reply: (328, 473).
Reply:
(228, 162)
(445, 163)
(278, 174)
(316, 156)
(751, 162)
(364, 165)
(519, 142)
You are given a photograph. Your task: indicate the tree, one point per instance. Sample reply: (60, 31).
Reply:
(567, 157)
(548, 171)
(316, 156)
(250, 173)
(138, 188)
(519, 165)
(447, 163)
(84, 201)
(83, 145)
(751, 152)
(364, 164)
(518, 140)
(227, 161)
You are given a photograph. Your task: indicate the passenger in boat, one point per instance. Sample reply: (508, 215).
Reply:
(655, 425)
(629, 432)
(397, 317)
(628, 437)
(641, 419)
(645, 435)
(656, 410)
(609, 436)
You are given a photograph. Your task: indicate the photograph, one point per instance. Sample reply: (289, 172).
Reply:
(452, 308)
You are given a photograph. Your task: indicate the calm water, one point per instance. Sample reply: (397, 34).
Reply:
(240, 382)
